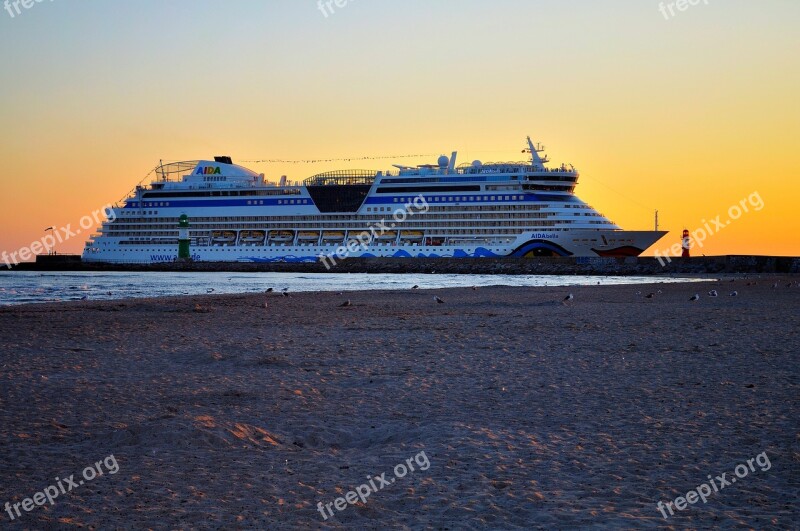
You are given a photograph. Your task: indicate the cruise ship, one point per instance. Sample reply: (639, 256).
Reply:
(217, 211)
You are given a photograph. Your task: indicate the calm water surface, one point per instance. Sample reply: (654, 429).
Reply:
(36, 287)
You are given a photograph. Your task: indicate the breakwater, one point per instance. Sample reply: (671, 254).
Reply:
(471, 266)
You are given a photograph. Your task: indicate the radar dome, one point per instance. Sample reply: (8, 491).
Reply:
(444, 161)
(477, 164)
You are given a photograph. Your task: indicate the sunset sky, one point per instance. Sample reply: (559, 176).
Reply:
(687, 115)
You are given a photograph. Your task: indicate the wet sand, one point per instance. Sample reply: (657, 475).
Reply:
(532, 413)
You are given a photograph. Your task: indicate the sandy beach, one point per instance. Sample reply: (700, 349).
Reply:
(514, 409)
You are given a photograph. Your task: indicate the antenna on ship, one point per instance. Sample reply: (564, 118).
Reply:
(534, 150)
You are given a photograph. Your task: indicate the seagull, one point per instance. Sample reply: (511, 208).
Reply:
(734, 293)
(568, 298)
(650, 296)
(713, 293)
(415, 287)
(437, 299)
(285, 294)
(695, 298)
(638, 292)
(285, 290)
(270, 290)
(474, 288)
(346, 304)
(210, 290)
(660, 292)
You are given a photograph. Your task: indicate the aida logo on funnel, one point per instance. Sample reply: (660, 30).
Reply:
(209, 170)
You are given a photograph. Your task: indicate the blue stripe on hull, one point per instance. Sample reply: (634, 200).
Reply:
(397, 200)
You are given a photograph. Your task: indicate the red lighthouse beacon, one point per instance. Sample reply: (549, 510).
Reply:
(687, 244)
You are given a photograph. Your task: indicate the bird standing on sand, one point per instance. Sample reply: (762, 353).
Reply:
(713, 293)
(270, 290)
(568, 298)
(285, 294)
(415, 287)
(734, 293)
(210, 290)
(650, 296)
(695, 297)
(346, 304)
(438, 300)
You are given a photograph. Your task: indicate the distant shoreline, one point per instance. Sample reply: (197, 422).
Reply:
(460, 266)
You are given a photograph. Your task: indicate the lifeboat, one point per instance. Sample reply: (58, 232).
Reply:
(308, 236)
(386, 236)
(227, 237)
(281, 236)
(332, 236)
(252, 236)
(412, 235)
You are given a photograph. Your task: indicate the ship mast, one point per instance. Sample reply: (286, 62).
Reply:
(534, 150)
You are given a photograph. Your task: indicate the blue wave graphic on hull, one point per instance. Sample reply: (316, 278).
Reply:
(480, 252)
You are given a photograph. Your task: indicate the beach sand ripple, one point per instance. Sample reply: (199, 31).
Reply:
(533, 413)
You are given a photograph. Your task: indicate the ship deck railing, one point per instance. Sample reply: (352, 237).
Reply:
(511, 167)
(343, 177)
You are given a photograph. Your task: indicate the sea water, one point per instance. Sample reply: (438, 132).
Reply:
(17, 287)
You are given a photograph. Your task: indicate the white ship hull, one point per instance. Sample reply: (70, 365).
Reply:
(520, 209)
(588, 244)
